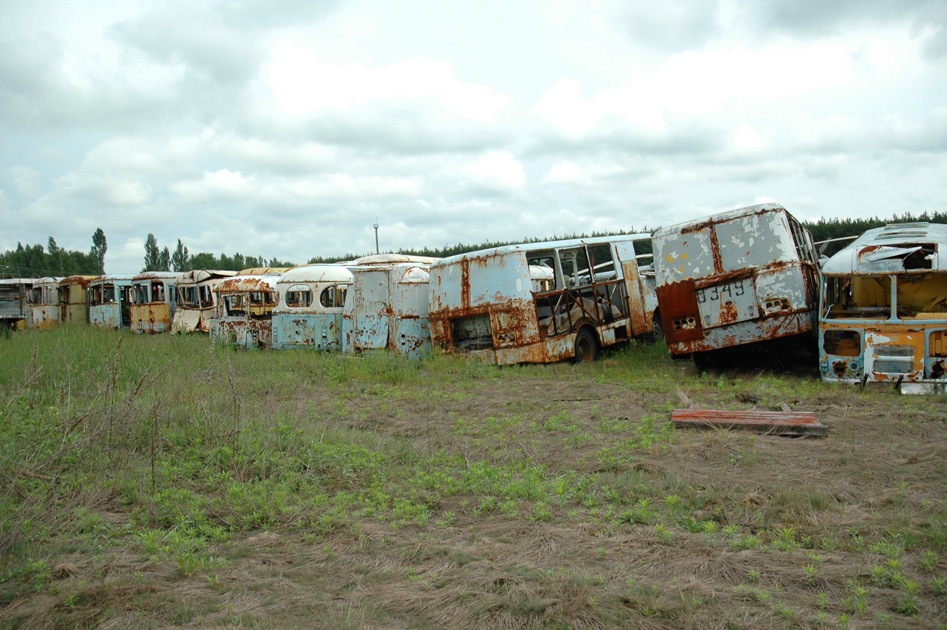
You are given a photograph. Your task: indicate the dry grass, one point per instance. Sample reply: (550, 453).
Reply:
(269, 489)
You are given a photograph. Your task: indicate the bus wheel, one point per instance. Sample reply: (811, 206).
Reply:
(586, 346)
(657, 333)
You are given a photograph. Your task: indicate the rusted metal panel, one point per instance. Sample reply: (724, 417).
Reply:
(883, 309)
(110, 302)
(73, 299)
(153, 301)
(243, 316)
(736, 278)
(196, 300)
(496, 306)
(16, 310)
(309, 309)
(45, 303)
(387, 307)
(783, 423)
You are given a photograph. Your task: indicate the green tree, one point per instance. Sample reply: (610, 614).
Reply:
(180, 259)
(99, 247)
(152, 254)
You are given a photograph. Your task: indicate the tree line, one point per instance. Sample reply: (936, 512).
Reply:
(157, 259)
(33, 261)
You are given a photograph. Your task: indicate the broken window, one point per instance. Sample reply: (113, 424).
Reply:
(857, 297)
(334, 296)
(845, 343)
(922, 296)
(141, 293)
(205, 296)
(298, 296)
(235, 304)
(188, 296)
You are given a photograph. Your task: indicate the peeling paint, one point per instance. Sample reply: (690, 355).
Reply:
(243, 316)
(735, 278)
(196, 300)
(16, 311)
(883, 309)
(153, 300)
(541, 302)
(309, 309)
(110, 302)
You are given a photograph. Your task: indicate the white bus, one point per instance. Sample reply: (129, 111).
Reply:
(541, 302)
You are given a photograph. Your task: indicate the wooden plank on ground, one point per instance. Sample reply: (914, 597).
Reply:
(785, 423)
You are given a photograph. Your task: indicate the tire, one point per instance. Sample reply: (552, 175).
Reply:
(586, 346)
(703, 360)
(657, 333)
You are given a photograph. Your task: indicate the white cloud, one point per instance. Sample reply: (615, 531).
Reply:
(304, 86)
(243, 126)
(497, 170)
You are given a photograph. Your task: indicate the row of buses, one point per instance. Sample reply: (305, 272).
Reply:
(727, 284)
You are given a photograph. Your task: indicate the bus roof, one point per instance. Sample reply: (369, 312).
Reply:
(316, 273)
(718, 218)
(539, 246)
(196, 276)
(247, 284)
(893, 248)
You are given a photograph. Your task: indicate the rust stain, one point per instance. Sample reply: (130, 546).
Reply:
(784, 423)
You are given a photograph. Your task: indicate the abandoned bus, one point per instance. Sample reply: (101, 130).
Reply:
(735, 278)
(45, 303)
(110, 302)
(243, 316)
(486, 304)
(74, 299)
(196, 299)
(15, 310)
(883, 309)
(153, 301)
(309, 309)
(387, 308)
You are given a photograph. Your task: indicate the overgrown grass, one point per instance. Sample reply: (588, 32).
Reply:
(179, 453)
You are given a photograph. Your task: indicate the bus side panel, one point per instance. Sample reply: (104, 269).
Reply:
(680, 314)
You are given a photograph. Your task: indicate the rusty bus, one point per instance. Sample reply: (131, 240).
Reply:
(74, 299)
(16, 312)
(196, 299)
(309, 309)
(45, 303)
(243, 316)
(883, 309)
(741, 277)
(387, 308)
(485, 304)
(110, 302)
(153, 301)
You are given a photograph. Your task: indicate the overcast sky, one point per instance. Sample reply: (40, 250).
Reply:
(283, 128)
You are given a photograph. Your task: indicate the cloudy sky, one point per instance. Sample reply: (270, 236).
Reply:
(283, 128)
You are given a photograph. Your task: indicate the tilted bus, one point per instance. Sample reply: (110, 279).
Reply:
(387, 308)
(308, 313)
(110, 299)
(74, 299)
(153, 301)
(16, 312)
(883, 309)
(244, 312)
(485, 303)
(45, 303)
(733, 279)
(196, 300)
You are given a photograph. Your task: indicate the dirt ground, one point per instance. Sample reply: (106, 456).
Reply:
(653, 527)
